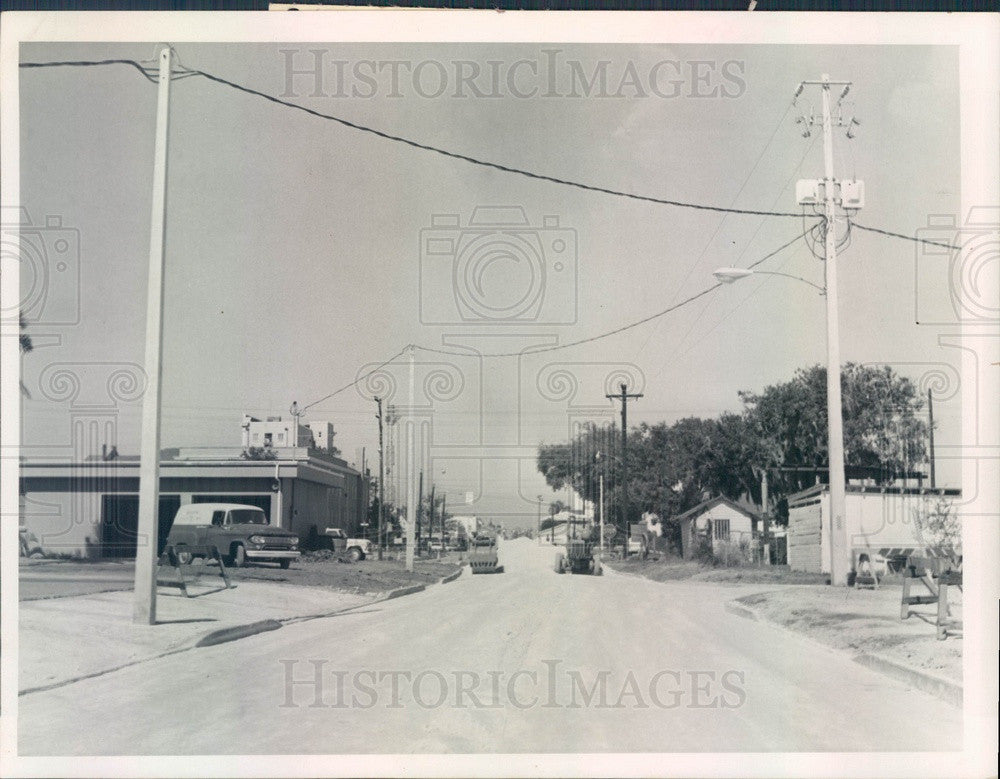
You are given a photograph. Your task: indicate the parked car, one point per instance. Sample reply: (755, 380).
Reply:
(241, 533)
(337, 540)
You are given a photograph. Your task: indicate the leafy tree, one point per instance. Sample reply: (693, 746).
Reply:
(26, 346)
(673, 467)
(881, 428)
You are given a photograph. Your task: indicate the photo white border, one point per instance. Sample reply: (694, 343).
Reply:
(977, 37)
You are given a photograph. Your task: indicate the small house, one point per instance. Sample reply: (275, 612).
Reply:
(726, 523)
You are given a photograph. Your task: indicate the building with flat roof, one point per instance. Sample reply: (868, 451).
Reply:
(90, 508)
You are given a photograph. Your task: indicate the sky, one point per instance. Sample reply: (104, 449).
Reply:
(301, 254)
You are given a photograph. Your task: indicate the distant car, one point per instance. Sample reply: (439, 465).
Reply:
(356, 548)
(241, 533)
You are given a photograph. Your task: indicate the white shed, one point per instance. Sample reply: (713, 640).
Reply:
(880, 524)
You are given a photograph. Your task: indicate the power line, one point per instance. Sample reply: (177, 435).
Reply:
(188, 72)
(904, 237)
(722, 221)
(557, 347)
(359, 379)
(616, 331)
(146, 72)
(416, 144)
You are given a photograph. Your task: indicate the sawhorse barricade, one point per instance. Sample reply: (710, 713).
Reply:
(936, 575)
(171, 557)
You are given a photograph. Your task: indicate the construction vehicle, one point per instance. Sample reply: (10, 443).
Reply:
(483, 554)
(579, 555)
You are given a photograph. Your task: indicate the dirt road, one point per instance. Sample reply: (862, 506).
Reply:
(526, 661)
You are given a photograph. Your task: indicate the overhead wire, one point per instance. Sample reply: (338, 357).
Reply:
(722, 221)
(188, 72)
(609, 333)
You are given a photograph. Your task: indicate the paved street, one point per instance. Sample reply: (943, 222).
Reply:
(512, 659)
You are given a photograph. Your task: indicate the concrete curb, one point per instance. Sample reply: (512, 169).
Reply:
(742, 611)
(945, 689)
(452, 576)
(399, 592)
(237, 632)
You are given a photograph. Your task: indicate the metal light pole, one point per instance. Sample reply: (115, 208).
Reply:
(144, 606)
(411, 481)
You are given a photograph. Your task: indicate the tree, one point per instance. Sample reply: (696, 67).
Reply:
(881, 428)
(26, 346)
(673, 467)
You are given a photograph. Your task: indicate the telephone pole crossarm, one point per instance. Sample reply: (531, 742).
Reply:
(624, 396)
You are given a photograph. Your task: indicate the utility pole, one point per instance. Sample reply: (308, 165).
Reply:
(600, 498)
(539, 529)
(381, 483)
(839, 549)
(430, 522)
(444, 503)
(930, 430)
(624, 397)
(420, 508)
(296, 414)
(411, 482)
(144, 606)
(764, 501)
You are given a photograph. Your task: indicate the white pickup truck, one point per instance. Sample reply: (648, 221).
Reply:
(337, 540)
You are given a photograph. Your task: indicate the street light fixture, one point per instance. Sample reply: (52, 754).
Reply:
(730, 275)
(835, 440)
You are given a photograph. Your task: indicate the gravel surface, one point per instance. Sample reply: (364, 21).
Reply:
(866, 621)
(673, 569)
(855, 620)
(40, 580)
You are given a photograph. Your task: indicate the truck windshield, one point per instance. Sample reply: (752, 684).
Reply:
(247, 517)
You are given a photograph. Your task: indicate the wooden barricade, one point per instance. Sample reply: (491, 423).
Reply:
(171, 557)
(936, 575)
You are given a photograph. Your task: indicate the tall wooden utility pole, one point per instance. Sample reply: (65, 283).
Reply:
(411, 482)
(420, 507)
(444, 502)
(147, 535)
(930, 430)
(624, 397)
(840, 553)
(381, 483)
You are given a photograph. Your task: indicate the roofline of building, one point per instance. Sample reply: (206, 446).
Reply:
(705, 505)
(59, 467)
(870, 489)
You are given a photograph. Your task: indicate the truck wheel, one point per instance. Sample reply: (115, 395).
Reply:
(559, 567)
(184, 557)
(354, 554)
(239, 556)
(284, 564)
